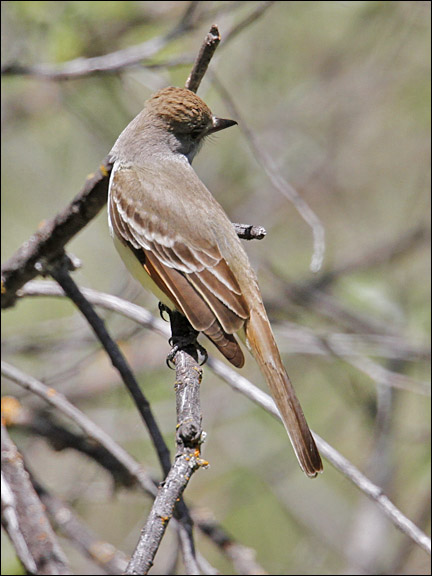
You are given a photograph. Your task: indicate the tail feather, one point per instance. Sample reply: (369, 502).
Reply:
(226, 343)
(261, 340)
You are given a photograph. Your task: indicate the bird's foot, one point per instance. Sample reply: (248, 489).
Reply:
(184, 337)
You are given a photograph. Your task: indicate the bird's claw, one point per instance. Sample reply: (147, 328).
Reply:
(163, 309)
(181, 345)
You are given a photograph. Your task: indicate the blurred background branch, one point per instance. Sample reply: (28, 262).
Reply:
(24, 518)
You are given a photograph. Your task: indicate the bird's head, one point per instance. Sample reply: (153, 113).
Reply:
(185, 116)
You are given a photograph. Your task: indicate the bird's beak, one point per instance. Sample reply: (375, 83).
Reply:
(220, 124)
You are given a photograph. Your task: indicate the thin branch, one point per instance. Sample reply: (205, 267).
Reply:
(405, 549)
(14, 414)
(57, 400)
(142, 54)
(24, 518)
(162, 510)
(277, 180)
(250, 232)
(208, 48)
(108, 301)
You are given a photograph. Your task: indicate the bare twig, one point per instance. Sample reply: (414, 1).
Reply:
(108, 301)
(250, 232)
(24, 518)
(406, 548)
(143, 54)
(162, 510)
(143, 480)
(367, 515)
(15, 414)
(211, 42)
(61, 274)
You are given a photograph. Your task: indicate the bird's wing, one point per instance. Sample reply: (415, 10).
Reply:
(177, 249)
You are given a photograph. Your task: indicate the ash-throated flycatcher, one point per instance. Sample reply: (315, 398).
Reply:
(177, 241)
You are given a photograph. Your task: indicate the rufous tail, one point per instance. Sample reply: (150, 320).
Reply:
(264, 348)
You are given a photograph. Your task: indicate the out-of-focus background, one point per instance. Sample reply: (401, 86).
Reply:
(338, 95)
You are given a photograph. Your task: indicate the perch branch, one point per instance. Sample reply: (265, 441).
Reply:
(188, 455)
(57, 400)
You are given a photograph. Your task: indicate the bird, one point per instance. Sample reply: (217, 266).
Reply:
(177, 240)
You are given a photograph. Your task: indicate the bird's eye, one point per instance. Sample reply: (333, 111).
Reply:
(196, 132)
